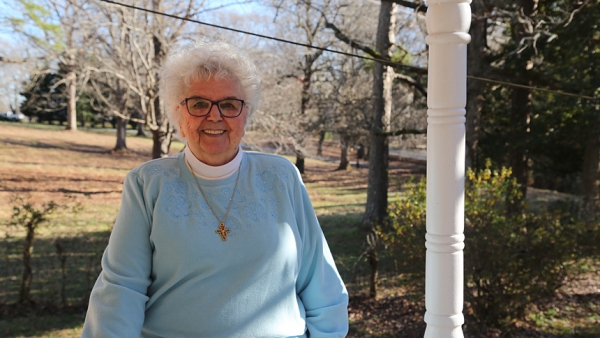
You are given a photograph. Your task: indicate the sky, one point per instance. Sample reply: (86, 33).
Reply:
(240, 6)
(12, 74)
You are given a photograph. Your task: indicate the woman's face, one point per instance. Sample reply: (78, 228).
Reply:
(213, 139)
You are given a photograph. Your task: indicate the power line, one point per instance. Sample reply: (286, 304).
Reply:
(386, 62)
(533, 88)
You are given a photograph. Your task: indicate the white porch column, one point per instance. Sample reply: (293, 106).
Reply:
(448, 22)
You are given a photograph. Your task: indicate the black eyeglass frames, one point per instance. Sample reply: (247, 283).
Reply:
(199, 107)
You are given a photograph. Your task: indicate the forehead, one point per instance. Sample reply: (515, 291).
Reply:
(215, 89)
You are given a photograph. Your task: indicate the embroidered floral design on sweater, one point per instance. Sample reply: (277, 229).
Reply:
(254, 212)
(177, 204)
(273, 205)
(249, 207)
(265, 182)
(155, 169)
(224, 196)
(178, 207)
(178, 186)
(170, 172)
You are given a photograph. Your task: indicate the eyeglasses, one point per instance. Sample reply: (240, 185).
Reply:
(199, 107)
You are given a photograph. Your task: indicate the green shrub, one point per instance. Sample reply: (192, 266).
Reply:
(405, 233)
(513, 256)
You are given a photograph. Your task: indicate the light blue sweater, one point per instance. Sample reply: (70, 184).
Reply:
(166, 273)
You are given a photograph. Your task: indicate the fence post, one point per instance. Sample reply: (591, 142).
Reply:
(448, 24)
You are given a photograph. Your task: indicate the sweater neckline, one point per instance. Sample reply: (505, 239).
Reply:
(208, 172)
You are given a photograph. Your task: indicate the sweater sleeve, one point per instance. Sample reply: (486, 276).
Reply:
(117, 301)
(319, 284)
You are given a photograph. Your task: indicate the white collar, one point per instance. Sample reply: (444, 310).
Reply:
(209, 172)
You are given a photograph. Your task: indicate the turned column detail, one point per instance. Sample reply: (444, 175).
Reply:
(448, 22)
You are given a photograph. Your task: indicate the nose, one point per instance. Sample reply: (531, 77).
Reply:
(214, 114)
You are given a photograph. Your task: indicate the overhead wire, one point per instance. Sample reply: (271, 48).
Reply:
(383, 61)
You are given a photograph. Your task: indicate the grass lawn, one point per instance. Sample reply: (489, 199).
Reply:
(79, 171)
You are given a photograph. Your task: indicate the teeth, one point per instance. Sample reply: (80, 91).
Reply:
(214, 132)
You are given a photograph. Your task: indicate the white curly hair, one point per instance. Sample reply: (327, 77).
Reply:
(205, 58)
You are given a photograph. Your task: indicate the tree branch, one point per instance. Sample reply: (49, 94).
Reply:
(417, 6)
(373, 53)
(403, 77)
(21, 60)
(342, 37)
(409, 80)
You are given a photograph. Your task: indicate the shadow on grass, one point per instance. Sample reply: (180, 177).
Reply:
(61, 278)
(64, 191)
(44, 324)
(61, 177)
(74, 165)
(75, 147)
(65, 146)
(58, 301)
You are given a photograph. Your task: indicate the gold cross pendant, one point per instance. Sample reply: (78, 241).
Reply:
(223, 231)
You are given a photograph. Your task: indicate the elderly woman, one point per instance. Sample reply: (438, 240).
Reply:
(214, 241)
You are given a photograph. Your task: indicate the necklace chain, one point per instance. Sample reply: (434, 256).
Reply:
(223, 231)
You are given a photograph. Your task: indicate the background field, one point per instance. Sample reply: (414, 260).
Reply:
(78, 168)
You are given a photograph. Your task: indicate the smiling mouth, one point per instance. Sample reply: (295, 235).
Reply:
(214, 132)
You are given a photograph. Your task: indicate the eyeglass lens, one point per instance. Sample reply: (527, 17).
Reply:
(228, 108)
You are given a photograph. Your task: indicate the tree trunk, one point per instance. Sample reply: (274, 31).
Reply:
(519, 122)
(161, 143)
(344, 161)
(300, 160)
(475, 65)
(376, 208)
(590, 179)
(71, 100)
(309, 60)
(321, 140)
(62, 257)
(374, 276)
(141, 129)
(377, 201)
(521, 106)
(163, 134)
(27, 271)
(121, 134)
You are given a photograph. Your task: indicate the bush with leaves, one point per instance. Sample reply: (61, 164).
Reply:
(514, 255)
(404, 233)
(29, 216)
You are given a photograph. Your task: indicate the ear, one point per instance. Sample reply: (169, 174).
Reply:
(181, 131)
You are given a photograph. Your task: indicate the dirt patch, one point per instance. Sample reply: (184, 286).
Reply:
(392, 316)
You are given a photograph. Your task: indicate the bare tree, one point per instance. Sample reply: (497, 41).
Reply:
(60, 32)
(115, 96)
(305, 19)
(380, 120)
(137, 43)
(14, 71)
(119, 72)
